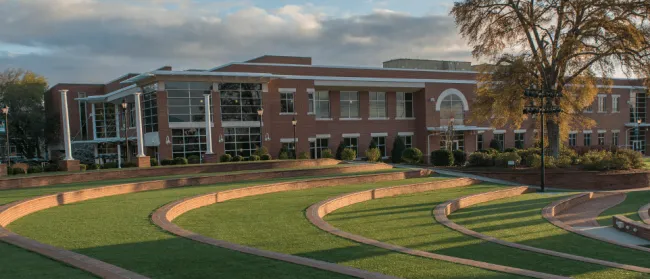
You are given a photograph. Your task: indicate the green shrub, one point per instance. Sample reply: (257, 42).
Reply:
(52, 168)
(266, 157)
(82, 167)
(635, 157)
(327, 154)
(621, 161)
(283, 156)
(238, 158)
(194, 159)
(564, 161)
(90, 167)
(511, 149)
(254, 158)
(304, 155)
(109, 165)
(460, 157)
(494, 144)
(180, 161)
(17, 171)
(129, 165)
(36, 169)
(502, 159)
(442, 158)
(339, 151)
(596, 160)
(526, 153)
(398, 150)
(225, 158)
(412, 155)
(373, 155)
(261, 151)
(481, 159)
(490, 151)
(348, 154)
(167, 162)
(536, 161)
(153, 162)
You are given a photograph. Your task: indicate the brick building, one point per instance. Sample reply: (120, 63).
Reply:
(331, 104)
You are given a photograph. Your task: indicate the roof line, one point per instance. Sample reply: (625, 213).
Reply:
(341, 67)
(120, 77)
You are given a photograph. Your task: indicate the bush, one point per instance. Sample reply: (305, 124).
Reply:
(564, 161)
(304, 155)
(167, 162)
(442, 158)
(129, 165)
(398, 150)
(180, 161)
(238, 158)
(109, 165)
(53, 167)
(339, 151)
(373, 145)
(621, 161)
(90, 167)
(254, 158)
(225, 158)
(494, 144)
(526, 153)
(536, 161)
(490, 151)
(283, 156)
(327, 154)
(635, 157)
(596, 160)
(153, 162)
(511, 149)
(194, 159)
(261, 151)
(17, 171)
(35, 169)
(460, 157)
(412, 155)
(502, 159)
(348, 154)
(266, 157)
(82, 167)
(481, 159)
(373, 155)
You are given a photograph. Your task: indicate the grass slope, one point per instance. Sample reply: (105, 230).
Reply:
(628, 208)
(118, 230)
(408, 221)
(519, 220)
(276, 222)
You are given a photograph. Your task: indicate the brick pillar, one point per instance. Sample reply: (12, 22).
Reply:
(164, 132)
(3, 170)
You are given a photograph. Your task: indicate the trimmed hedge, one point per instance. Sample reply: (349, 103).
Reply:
(238, 158)
(327, 153)
(460, 157)
(194, 159)
(225, 158)
(502, 159)
(412, 155)
(153, 162)
(348, 154)
(266, 157)
(304, 155)
(442, 158)
(254, 158)
(283, 156)
(373, 155)
(481, 159)
(180, 161)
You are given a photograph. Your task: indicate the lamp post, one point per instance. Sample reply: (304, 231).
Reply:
(260, 112)
(294, 122)
(5, 111)
(545, 106)
(125, 106)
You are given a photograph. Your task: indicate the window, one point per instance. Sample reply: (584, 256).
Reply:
(457, 141)
(352, 143)
(601, 138)
(241, 141)
(188, 142)
(638, 107)
(83, 117)
(573, 139)
(377, 104)
(185, 101)
(286, 103)
(405, 105)
(132, 115)
(349, 105)
(589, 109)
(150, 108)
(587, 140)
(322, 104)
(408, 141)
(615, 138)
(381, 145)
(519, 140)
(501, 140)
(479, 142)
(105, 120)
(451, 107)
(615, 99)
(310, 96)
(601, 103)
(290, 147)
(107, 150)
(240, 101)
(317, 146)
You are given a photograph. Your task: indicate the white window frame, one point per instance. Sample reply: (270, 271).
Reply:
(352, 102)
(602, 108)
(615, 103)
(382, 147)
(354, 147)
(288, 96)
(377, 105)
(402, 103)
(321, 103)
(573, 137)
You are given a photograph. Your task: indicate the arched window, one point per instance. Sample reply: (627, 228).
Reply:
(451, 106)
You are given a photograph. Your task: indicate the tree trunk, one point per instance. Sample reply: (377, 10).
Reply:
(553, 135)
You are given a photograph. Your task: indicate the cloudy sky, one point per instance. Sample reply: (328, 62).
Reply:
(98, 40)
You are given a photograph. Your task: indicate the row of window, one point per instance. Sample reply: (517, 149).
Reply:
(319, 104)
(317, 145)
(602, 104)
(600, 139)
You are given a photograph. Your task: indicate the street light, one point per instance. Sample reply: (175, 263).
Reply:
(5, 111)
(260, 112)
(543, 107)
(125, 106)
(294, 122)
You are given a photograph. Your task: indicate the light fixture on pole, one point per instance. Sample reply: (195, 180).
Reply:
(260, 112)
(5, 111)
(294, 122)
(125, 106)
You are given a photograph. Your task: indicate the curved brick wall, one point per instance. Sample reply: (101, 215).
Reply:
(632, 227)
(16, 210)
(443, 210)
(549, 212)
(644, 213)
(316, 212)
(45, 180)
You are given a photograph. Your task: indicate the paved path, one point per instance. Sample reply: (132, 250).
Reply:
(609, 232)
(585, 214)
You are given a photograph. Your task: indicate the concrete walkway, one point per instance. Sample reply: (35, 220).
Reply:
(585, 214)
(614, 234)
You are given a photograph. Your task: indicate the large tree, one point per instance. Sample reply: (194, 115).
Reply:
(571, 46)
(23, 91)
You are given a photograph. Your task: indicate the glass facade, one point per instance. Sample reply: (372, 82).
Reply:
(150, 108)
(378, 105)
(242, 141)
(240, 101)
(105, 120)
(188, 142)
(317, 146)
(349, 105)
(405, 105)
(185, 101)
(638, 107)
(83, 117)
(381, 144)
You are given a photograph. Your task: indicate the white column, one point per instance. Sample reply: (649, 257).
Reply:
(208, 125)
(66, 125)
(117, 121)
(94, 122)
(138, 124)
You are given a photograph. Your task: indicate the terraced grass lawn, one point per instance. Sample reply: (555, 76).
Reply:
(118, 230)
(628, 208)
(17, 263)
(408, 221)
(277, 222)
(519, 220)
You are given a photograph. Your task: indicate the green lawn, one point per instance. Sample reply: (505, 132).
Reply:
(18, 263)
(519, 220)
(408, 221)
(118, 230)
(277, 222)
(628, 208)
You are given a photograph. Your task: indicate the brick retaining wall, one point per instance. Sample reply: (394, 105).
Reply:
(45, 180)
(632, 227)
(644, 213)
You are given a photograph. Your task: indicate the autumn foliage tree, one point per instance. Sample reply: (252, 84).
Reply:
(571, 46)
